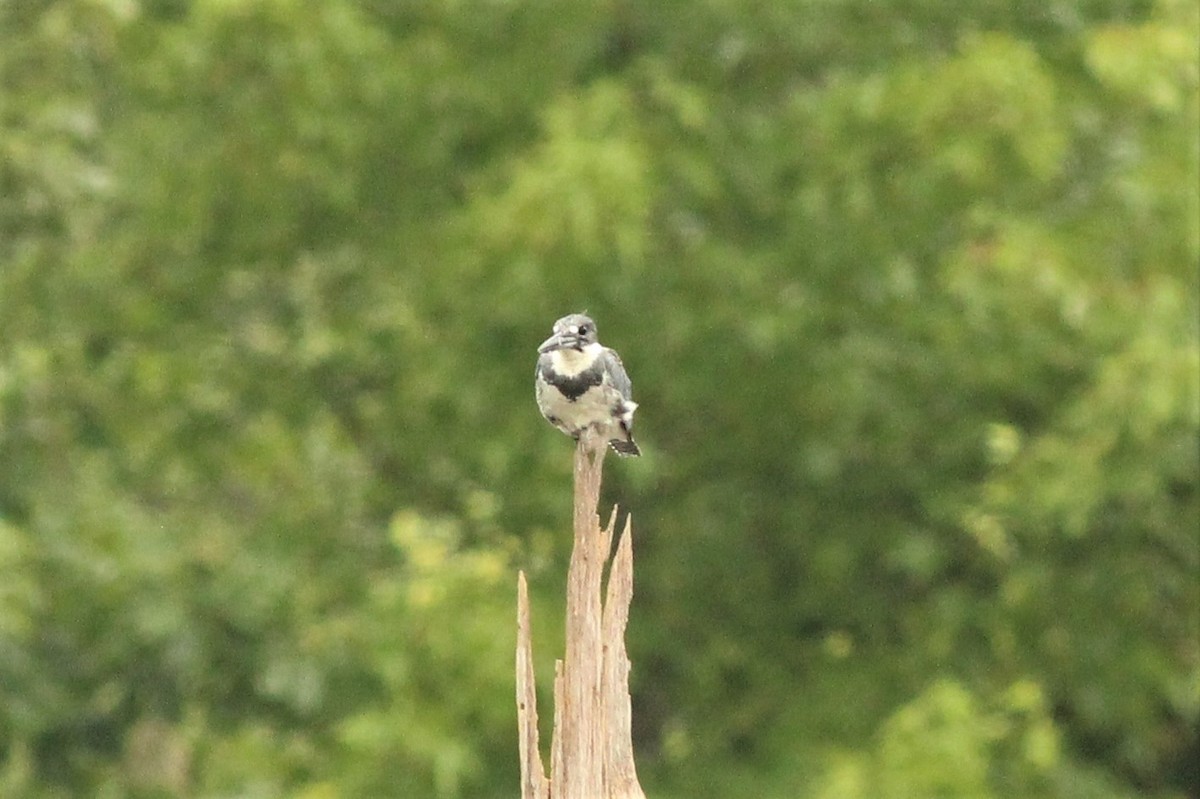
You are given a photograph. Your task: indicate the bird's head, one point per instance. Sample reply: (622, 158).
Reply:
(572, 332)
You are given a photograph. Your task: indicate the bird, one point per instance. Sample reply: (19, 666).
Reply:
(581, 384)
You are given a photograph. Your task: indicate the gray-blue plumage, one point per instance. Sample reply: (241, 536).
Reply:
(582, 384)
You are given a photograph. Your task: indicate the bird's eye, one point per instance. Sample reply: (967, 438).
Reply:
(583, 329)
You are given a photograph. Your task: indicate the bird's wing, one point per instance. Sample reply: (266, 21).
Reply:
(542, 366)
(610, 363)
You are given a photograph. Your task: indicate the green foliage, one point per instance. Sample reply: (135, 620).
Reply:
(944, 744)
(909, 292)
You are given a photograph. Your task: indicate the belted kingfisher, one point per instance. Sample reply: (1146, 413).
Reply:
(580, 384)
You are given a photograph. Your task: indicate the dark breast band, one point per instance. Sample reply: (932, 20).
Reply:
(572, 387)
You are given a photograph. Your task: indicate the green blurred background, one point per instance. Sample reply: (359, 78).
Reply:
(908, 290)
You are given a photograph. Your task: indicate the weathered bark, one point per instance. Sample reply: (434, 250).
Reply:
(533, 775)
(620, 776)
(591, 752)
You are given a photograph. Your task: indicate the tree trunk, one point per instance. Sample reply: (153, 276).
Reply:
(591, 752)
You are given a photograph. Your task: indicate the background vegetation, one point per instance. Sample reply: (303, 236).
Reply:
(908, 291)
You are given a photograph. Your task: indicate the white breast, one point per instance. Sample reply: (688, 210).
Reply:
(594, 407)
(569, 363)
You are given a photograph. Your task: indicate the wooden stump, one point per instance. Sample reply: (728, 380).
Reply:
(591, 751)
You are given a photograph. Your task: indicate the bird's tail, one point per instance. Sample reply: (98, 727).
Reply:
(626, 447)
(624, 444)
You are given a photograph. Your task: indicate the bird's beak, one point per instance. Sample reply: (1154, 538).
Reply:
(557, 342)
